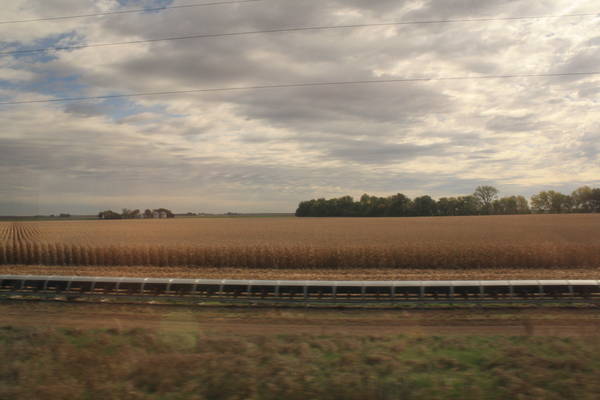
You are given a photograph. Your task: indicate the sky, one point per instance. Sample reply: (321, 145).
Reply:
(264, 150)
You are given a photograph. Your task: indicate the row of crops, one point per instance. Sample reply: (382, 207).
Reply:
(18, 232)
(23, 243)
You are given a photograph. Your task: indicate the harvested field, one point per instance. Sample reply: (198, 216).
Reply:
(487, 243)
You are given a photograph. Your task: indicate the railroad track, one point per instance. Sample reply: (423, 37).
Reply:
(296, 291)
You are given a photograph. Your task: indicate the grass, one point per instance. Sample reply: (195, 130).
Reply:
(144, 364)
(436, 243)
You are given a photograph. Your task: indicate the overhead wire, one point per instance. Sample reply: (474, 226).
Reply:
(128, 11)
(297, 85)
(291, 29)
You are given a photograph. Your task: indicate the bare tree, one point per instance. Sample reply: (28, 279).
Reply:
(486, 196)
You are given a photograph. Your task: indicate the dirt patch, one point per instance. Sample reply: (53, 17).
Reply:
(231, 320)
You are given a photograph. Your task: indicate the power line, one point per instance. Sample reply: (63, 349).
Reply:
(130, 11)
(296, 29)
(296, 85)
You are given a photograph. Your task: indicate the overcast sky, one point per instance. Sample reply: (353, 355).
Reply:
(265, 150)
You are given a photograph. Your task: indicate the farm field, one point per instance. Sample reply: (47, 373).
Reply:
(481, 247)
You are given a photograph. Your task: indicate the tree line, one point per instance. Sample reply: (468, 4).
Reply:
(483, 201)
(126, 213)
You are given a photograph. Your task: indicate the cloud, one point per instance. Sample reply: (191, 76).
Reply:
(253, 150)
(505, 123)
(377, 153)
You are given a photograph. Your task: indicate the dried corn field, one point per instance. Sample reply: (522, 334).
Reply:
(455, 243)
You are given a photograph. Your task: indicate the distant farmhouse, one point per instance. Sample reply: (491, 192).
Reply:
(126, 213)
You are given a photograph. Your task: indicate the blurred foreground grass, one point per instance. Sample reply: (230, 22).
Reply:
(148, 364)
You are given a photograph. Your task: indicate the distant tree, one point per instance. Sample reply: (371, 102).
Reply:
(381, 207)
(595, 200)
(109, 214)
(582, 199)
(551, 202)
(446, 206)
(399, 205)
(540, 203)
(505, 205)
(321, 208)
(168, 212)
(467, 205)
(373, 206)
(304, 209)
(498, 207)
(522, 205)
(346, 207)
(511, 205)
(148, 213)
(126, 213)
(560, 202)
(424, 206)
(486, 196)
(64, 215)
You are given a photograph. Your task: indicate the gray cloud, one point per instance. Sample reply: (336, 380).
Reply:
(378, 153)
(85, 109)
(584, 60)
(323, 108)
(514, 124)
